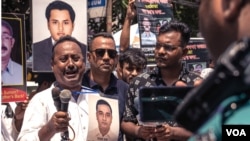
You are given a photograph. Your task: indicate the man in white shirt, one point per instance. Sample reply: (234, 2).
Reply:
(42, 120)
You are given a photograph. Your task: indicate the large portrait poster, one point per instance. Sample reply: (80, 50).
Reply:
(13, 60)
(151, 14)
(197, 57)
(48, 27)
(104, 122)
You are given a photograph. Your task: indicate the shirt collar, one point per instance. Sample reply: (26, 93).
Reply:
(10, 67)
(90, 83)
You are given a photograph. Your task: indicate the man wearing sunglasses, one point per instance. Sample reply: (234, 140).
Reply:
(170, 48)
(103, 58)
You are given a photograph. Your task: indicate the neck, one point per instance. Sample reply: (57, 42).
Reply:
(100, 78)
(171, 75)
(71, 88)
(104, 131)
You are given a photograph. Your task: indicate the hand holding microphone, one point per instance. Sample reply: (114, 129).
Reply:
(65, 97)
(60, 120)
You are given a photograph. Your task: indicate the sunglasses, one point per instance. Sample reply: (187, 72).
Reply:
(100, 52)
(166, 47)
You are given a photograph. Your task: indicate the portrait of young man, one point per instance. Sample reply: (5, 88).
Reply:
(104, 120)
(59, 18)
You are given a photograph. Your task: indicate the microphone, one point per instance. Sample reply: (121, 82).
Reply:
(65, 97)
(230, 77)
(56, 98)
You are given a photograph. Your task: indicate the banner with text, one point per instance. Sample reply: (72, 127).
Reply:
(197, 57)
(151, 15)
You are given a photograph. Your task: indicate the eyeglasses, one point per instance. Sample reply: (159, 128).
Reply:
(166, 47)
(100, 52)
(6, 37)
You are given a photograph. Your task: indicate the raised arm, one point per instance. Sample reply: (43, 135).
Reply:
(125, 34)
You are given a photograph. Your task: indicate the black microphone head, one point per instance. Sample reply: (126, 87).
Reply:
(65, 96)
(55, 93)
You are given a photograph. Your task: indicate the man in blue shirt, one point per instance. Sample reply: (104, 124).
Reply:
(11, 70)
(103, 58)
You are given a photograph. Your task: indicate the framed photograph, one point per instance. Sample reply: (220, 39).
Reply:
(51, 20)
(103, 116)
(13, 57)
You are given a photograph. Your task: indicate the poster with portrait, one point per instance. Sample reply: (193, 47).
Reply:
(197, 57)
(103, 118)
(13, 73)
(70, 20)
(151, 15)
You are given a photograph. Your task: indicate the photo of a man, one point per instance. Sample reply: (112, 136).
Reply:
(147, 36)
(104, 119)
(60, 18)
(12, 72)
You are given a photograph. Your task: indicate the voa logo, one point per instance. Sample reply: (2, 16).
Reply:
(236, 132)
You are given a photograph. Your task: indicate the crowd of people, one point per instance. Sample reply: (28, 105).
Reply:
(120, 76)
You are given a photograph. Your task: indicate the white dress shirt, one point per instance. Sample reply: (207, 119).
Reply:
(41, 108)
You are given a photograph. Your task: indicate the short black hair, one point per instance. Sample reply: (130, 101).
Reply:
(7, 25)
(100, 34)
(103, 102)
(66, 38)
(133, 56)
(181, 27)
(60, 5)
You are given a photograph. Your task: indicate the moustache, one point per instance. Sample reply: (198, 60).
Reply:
(71, 69)
(160, 58)
(4, 48)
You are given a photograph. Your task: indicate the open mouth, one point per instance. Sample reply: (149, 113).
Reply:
(71, 73)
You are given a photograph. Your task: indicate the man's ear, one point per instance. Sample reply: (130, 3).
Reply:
(231, 8)
(73, 26)
(184, 51)
(52, 64)
(88, 56)
(12, 42)
(48, 26)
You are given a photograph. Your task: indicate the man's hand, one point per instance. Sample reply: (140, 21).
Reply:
(59, 122)
(20, 109)
(164, 133)
(168, 133)
(19, 113)
(145, 132)
(131, 11)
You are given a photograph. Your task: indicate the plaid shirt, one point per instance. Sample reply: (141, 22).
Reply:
(149, 79)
